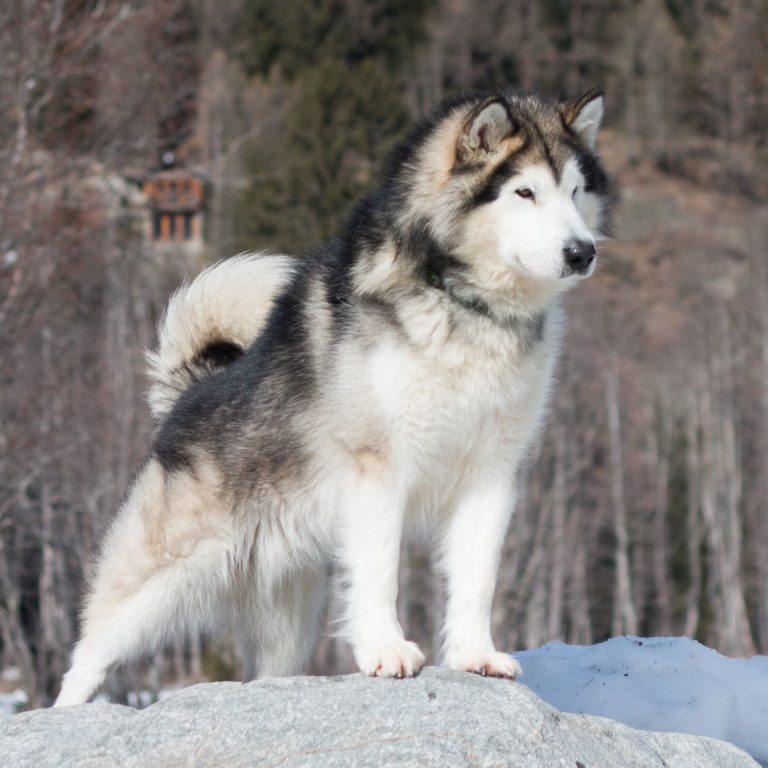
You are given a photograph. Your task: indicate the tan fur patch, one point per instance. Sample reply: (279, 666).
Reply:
(370, 462)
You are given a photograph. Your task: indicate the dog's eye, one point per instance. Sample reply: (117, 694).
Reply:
(573, 194)
(525, 193)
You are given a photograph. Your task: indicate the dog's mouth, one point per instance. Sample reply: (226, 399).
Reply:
(578, 273)
(565, 272)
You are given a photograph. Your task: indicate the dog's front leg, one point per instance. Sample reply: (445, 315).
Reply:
(471, 550)
(370, 552)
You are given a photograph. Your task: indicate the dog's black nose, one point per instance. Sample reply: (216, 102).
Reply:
(579, 254)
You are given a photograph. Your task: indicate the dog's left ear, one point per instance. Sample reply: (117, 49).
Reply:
(585, 115)
(485, 129)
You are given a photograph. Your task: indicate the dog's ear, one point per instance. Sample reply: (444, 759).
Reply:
(585, 115)
(486, 127)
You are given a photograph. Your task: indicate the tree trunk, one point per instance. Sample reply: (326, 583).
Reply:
(693, 521)
(557, 539)
(662, 439)
(624, 613)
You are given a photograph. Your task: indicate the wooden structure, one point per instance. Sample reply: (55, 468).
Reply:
(176, 200)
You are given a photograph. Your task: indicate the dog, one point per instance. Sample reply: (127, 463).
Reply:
(317, 411)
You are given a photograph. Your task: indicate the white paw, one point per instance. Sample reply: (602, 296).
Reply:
(486, 663)
(398, 659)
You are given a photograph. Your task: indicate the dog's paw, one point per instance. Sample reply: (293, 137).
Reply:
(398, 659)
(486, 663)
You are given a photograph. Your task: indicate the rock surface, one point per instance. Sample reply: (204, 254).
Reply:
(440, 718)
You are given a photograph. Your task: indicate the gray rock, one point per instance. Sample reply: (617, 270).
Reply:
(440, 718)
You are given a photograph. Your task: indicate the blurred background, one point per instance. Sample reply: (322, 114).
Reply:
(141, 140)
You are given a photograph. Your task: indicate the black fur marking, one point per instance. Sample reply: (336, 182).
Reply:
(432, 262)
(595, 178)
(256, 388)
(218, 354)
(557, 170)
(366, 230)
(491, 188)
(596, 182)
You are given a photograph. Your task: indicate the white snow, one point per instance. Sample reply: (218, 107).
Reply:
(657, 684)
(10, 703)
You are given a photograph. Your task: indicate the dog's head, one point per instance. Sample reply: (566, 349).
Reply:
(510, 185)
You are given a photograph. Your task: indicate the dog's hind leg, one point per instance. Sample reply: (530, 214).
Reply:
(128, 629)
(153, 582)
(280, 627)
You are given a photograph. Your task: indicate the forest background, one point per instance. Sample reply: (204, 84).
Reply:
(644, 505)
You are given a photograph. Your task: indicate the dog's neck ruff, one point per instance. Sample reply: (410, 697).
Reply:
(441, 270)
(473, 303)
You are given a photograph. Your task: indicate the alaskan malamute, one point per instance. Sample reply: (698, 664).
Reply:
(388, 385)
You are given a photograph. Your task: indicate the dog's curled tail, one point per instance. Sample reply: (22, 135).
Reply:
(210, 321)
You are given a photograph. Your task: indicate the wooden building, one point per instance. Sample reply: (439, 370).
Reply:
(176, 202)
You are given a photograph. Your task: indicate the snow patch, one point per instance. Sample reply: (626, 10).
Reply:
(11, 703)
(657, 684)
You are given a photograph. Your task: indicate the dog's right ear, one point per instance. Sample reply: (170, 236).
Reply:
(486, 127)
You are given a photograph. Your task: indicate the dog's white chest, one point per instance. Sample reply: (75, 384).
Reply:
(441, 415)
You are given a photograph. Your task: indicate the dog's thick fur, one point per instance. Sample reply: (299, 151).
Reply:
(387, 385)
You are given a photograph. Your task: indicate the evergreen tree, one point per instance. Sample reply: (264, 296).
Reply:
(291, 35)
(343, 110)
(340, 122)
